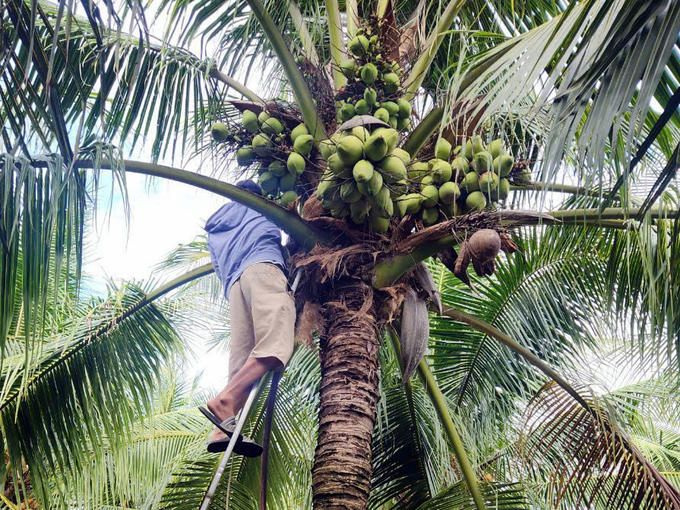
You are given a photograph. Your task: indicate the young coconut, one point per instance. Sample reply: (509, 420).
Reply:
(295, 163)
(245, 156)
(288, 198)
(277, 168)
(488, 182)
(371, 187)
(304, 144)
(430, 215)
(350, 150)
(503, 164)
(475, 201)
(298, 130)
(441, 171)
(287, 182)
(250, 122)
(449, 192)
(362, 171)
(404, 108)
(429, 195)
(369, 73)
(272, 126)
(269, 183)
(393, 168)
(261, 144)
(358, 211)
(442, 149)
(376, 147)
(219, 132)
(382, 114)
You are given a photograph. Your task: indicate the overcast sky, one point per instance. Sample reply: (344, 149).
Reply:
(163, 215)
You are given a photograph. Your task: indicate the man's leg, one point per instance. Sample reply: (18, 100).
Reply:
(271, 311)
(233, 397)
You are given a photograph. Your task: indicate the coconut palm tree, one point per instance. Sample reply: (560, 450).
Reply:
(584, 92)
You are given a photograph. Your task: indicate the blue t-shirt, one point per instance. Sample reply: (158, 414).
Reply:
(239, 237)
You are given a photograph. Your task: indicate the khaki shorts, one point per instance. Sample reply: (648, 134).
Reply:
(262, 316)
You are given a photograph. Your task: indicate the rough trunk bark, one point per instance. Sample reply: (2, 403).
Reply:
(341, 476)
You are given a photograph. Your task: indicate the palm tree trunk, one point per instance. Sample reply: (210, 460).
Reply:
(341, 477)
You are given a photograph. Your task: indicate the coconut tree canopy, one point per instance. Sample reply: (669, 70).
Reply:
(387, 137)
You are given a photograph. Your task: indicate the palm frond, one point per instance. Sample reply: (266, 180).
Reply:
(590, 459)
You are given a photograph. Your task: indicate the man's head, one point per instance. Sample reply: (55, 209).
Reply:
(250, 186)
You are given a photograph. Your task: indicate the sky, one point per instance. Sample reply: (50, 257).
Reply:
(163, 214)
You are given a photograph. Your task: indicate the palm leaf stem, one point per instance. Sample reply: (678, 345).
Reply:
(335, 32)
(509, 342)
(149, 298)
(229, 81)
(439, 402)
(288, 221)
(305, 37)
(352, 11)
(297, 81)
(561, 188)
(389, 270)
(434, 40)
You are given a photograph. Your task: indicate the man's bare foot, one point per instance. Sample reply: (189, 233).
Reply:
(218, 435)
(221, 406)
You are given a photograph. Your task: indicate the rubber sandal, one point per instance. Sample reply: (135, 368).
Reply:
(244, 445)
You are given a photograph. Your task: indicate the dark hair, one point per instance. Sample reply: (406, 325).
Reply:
(250, 186)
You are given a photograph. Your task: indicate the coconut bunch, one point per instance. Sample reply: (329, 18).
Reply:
(373, 84)
(279, 152)
(366, 175)
(470, 178)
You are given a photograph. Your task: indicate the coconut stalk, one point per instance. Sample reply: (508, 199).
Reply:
(439, 403)
(423, 131)
(352, 11)
(434, 40)
(297, 81)
(335, 33)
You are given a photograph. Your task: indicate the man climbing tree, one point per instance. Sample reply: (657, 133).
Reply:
(246, 252)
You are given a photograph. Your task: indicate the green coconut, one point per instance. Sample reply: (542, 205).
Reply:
(295, 163)
(488, 182)
(362, 171)
(448, 192)
(370, 96)
(470, 182)
(382, 114)
(350, 150)
(376, 147)
(288, 198)
(272, 126)
(304, 144)
(287, 182)
(404, 108)
(475, 201)
(219, 132)
(369, 73)
(392, 168)
(482, 162)
(348, 67)
(441, 171)
(391, 81)
(261, 144)
(503, 164)
(278, 168)
(430, 195)
(250, 122)
(429, 215)
(245, 156)
(268, 182)
(362, 107)
(298, 130)
(372, 186)
(442, 149)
